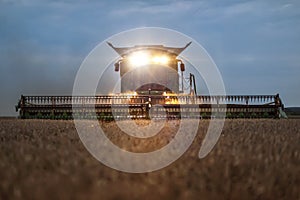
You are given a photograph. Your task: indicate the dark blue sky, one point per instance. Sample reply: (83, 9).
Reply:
(255, 44)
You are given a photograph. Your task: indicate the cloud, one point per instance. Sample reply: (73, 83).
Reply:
(42, 43)
(44, 2)
(146, 7)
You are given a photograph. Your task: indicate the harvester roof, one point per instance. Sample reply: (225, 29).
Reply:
(123, 51)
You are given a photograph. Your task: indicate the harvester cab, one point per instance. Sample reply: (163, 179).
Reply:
(149, 69)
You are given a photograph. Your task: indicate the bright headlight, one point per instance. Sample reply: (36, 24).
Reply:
(142, 58)
(139, 59)
(160, 59)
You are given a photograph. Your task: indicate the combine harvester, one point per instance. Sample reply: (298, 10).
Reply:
(150, 91)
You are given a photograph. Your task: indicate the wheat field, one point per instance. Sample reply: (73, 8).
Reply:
(253, 159)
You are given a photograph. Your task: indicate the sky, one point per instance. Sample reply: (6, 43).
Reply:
(255, 44)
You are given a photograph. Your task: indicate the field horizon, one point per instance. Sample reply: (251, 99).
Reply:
(253, 159)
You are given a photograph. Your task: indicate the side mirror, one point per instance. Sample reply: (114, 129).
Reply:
(117, 66)
(182, 67)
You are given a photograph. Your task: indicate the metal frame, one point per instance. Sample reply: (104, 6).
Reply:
(139, 106)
